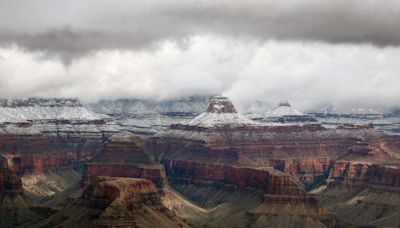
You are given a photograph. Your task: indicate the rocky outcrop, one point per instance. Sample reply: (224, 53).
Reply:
(219, 104)
(116, 202)
(124, 156)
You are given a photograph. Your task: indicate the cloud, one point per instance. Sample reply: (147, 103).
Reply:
(309, 74)
(70, 30)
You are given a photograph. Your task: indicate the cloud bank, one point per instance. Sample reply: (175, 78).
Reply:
(309, 74)
(69, 29)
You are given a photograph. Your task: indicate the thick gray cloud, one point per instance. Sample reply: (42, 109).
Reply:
(312, 52)
(310, 75)
(71, 29)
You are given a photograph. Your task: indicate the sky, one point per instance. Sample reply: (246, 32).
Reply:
(314, 53)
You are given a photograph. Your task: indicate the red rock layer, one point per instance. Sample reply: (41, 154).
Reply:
(359, 174)
(305, 151)
(37, 153)
(128, 202)
(124, 157)
(268, 180)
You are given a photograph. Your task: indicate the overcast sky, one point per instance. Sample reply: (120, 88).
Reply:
(315, 53)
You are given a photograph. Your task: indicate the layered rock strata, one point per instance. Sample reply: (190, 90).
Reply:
(37, 134)
(124, 156)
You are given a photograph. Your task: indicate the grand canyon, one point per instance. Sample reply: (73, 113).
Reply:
(72, 165)
(203, 114)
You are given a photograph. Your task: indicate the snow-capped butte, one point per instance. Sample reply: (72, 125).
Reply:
(284, 109)
(219, 104)
(23, 109)
(221, 111)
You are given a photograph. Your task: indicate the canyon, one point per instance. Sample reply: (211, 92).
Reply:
(68, 164)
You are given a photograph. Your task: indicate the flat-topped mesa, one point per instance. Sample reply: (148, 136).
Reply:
(285, 113)
(284, 109)
(219, 104)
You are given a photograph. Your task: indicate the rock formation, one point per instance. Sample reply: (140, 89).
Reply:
(124, 156)
(116, 202)
(247, 159)
(283, 113)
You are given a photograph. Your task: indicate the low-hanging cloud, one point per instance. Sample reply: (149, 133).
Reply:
(309, 74)
(70, 30)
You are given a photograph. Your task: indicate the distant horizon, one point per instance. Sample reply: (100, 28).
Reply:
(266, 105)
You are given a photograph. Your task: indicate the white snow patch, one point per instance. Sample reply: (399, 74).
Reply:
(20, 114)
(208, 119)
(283, 111)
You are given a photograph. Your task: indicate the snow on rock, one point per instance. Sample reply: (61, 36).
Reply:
(193, 104)
(284, 109)
(148, 117)
(23, 109)
(221, 111)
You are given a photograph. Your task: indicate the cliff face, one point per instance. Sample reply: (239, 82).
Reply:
(232, 177)
(124, 156)
(37, 153)
(307, 151)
